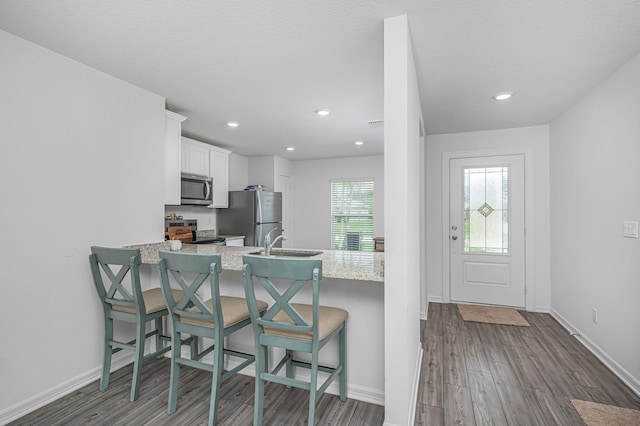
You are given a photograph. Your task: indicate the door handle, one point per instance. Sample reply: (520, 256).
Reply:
(454, 238)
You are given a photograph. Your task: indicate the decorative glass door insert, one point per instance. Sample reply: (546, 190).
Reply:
(486, 210)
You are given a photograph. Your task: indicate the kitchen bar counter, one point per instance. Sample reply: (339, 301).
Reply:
(352, 280)
(348, 265)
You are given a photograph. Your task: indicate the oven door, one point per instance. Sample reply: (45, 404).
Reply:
(196, 190)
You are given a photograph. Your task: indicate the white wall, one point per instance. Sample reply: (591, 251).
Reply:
(238, 172)
(595, 149)
(536, 141)
(311, 198)
(261, 171)
(403, 192)
(82, 165)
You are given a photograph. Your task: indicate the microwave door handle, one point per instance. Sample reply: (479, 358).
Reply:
(207, 190)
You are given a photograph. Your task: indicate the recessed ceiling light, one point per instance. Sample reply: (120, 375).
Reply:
(290, 148)
(359, 143)
(502, 96)
(323, 112)
(233, 124)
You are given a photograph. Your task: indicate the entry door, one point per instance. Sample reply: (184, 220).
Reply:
(486, 230)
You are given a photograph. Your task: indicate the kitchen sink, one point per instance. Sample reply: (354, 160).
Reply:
(288, 253)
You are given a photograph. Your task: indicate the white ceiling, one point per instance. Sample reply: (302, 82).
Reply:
(269, 64)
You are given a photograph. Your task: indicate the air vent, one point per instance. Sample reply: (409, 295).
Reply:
(376, 123)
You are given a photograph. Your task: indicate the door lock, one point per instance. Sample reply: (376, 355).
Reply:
(454, 227)
(454, 238)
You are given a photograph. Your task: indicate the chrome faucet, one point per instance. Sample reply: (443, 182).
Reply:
(268, 244)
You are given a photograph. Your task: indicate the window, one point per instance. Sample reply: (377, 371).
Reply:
(486, 210)
(352, 215)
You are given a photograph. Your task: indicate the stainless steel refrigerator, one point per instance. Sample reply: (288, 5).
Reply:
(253, 214)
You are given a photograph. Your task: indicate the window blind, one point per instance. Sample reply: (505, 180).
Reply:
(352, 215)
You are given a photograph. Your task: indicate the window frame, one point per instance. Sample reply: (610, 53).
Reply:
(369, 245)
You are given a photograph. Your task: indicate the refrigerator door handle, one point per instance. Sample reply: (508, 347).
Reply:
(259, 207)
(259, 236)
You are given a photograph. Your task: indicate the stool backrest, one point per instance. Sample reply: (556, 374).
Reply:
(264, 269)
(124, 285)
(206, 268)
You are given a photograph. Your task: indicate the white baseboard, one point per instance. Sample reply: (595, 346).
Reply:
(416, 384)
(43, 398)
(435, 299)
(425, 314)
(542, 309)
(610, 363)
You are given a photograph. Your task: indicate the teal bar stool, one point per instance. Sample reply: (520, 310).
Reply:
(214, 319)
(124, 300)
(292, 326)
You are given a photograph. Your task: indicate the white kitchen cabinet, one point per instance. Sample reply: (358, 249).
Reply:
(219, 171)
(172, 158)
(238, 242)
(195, 157)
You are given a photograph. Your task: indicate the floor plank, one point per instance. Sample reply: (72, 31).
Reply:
(458, 409)
(486, 404)
(427, 415)
(432, 379)
(453, 362)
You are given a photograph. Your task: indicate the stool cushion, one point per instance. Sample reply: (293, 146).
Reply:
(153, 301)
(330, 319)
(234, 310)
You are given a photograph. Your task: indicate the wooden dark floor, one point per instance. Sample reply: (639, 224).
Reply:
(90, 406)
(486, 374)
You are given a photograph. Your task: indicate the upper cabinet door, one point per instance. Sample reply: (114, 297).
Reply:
(219, 171)
(195, 157)
(184, 156)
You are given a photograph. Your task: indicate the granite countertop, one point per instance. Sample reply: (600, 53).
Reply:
(349, 265)
(211, 233)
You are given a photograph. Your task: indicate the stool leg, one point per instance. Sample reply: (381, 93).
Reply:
(108, 351)
(174, 379)
(194, 347)
(313, 385)
(289, 365)
(218, 369)
(261, 367)
(159, 333)
(342, 337)
(138, 360)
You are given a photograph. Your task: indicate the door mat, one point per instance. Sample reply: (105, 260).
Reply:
(594, 414)
(492, 315)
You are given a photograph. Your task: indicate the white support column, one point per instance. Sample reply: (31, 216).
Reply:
(402, 162)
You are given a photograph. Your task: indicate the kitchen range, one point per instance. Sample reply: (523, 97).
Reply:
(186, 230)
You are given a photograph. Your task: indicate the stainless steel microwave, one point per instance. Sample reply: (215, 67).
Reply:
(195, 189)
